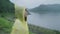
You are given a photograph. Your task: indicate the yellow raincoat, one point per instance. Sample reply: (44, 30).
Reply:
(20, 26)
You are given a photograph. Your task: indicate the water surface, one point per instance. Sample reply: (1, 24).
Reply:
(48, 20)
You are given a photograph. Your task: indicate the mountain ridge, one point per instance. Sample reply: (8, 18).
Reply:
(46, 8)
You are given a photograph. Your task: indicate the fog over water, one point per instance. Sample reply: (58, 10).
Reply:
(49, 20)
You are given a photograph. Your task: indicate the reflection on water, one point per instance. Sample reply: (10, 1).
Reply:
(49, 20)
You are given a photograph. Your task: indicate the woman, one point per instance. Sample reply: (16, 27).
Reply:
(20, 26)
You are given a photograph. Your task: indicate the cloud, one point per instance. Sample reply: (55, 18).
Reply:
(34, 3)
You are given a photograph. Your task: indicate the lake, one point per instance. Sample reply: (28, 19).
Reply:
(49, 20)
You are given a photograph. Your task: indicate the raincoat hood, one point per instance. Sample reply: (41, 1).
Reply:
(19, 12)
(20, 26)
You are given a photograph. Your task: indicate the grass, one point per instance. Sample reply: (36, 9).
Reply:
(5, 26)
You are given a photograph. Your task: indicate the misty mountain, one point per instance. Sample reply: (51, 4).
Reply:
(46, 8)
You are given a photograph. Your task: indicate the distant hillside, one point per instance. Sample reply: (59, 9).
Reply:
(46, 8)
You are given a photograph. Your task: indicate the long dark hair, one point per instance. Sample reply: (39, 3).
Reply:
(26, 16)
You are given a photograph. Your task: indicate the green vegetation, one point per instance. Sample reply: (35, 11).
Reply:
(6, 6)
(5, 26)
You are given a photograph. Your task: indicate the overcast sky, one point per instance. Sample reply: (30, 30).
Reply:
(34, 3)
